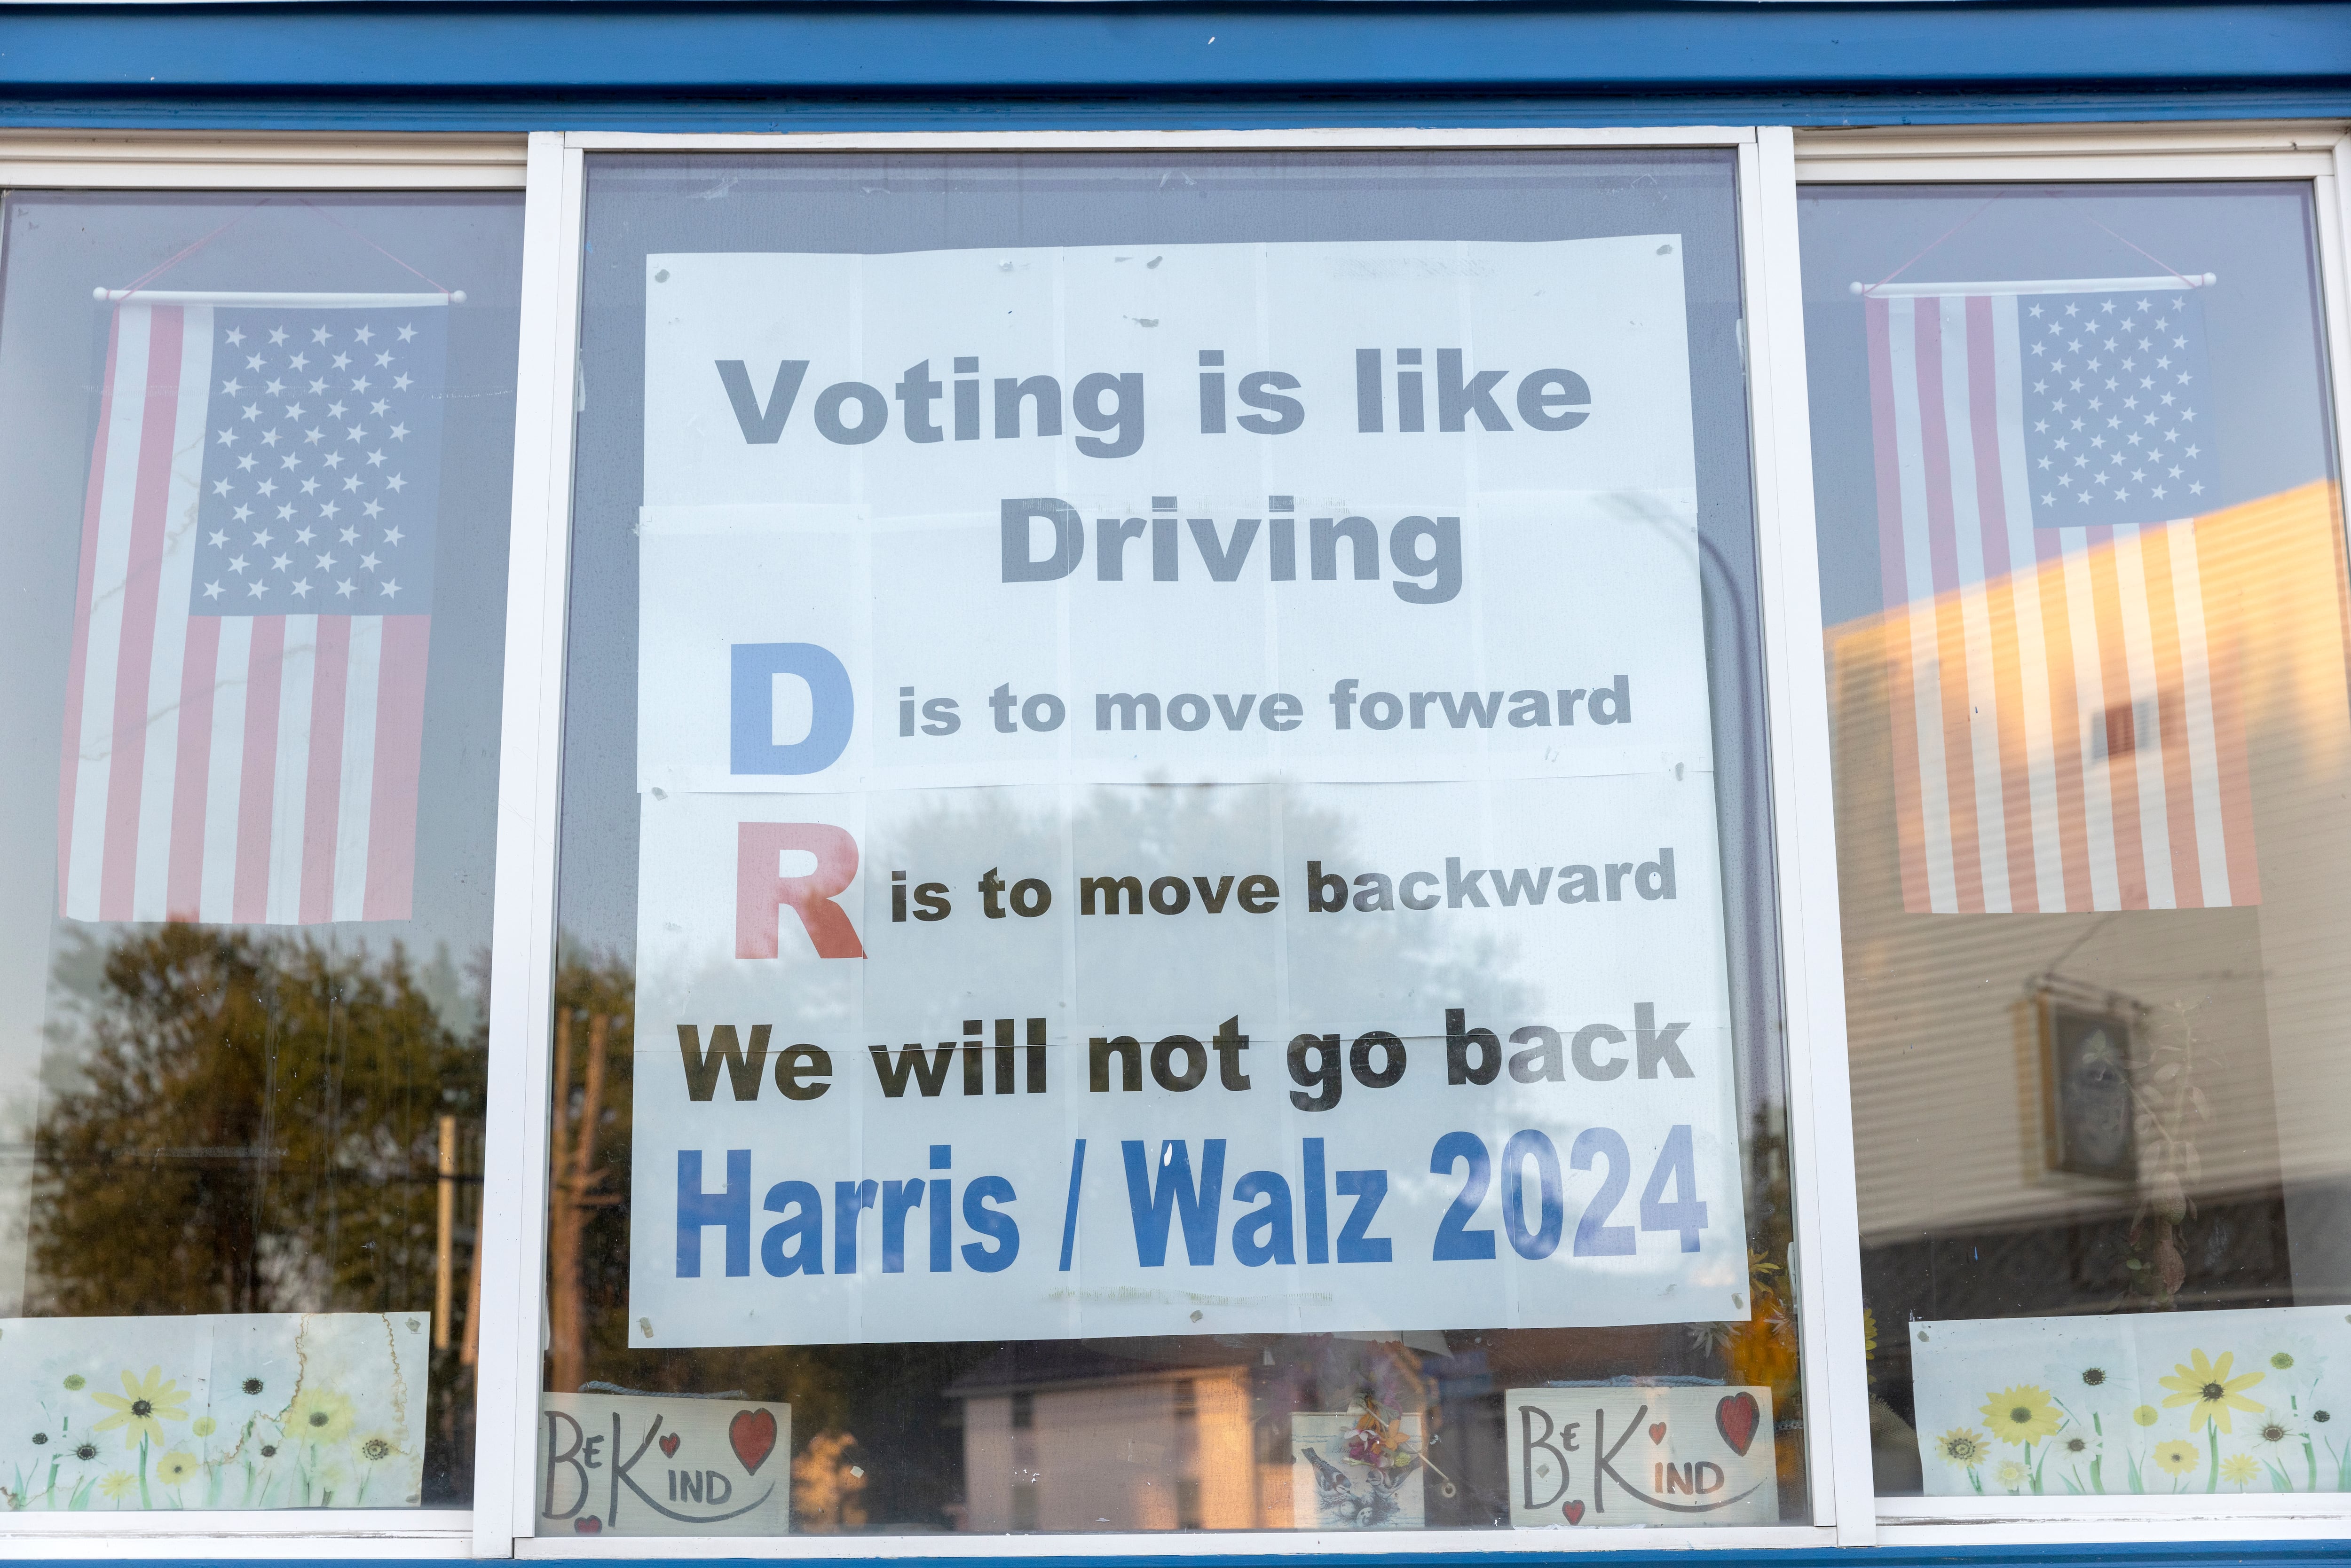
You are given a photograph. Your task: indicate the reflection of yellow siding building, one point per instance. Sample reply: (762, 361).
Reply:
(1156, 1450)
(1945, 1029)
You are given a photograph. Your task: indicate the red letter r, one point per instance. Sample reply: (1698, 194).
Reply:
(760, 891)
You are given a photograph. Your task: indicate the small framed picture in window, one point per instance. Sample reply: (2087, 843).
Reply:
(2088, 1128)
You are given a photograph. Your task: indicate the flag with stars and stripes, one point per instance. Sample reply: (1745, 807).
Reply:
(2064, 736)
(246, 698)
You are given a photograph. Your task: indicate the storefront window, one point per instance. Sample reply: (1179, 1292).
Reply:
(1164, 902)
(2082, 564)
(257, 520)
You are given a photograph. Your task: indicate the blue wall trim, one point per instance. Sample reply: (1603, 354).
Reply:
(1301, 46)
(693, 62)
(1117, 108)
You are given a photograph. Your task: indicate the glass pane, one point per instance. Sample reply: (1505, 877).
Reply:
(2082, 562)
(257, 516)
(1164, 885)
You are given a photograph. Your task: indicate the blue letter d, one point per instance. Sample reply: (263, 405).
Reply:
(832, 705)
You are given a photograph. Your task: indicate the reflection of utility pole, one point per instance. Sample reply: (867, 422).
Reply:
(443, 1245)
(562, 1268)
(471, 1350)
(572, 1193)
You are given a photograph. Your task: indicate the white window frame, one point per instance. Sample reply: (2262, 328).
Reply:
(169, 162)
(2320, 152)
(1827, 1274)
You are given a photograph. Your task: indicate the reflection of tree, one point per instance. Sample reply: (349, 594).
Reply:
(1149, 831)
(590, 1145)
(1761, 1351)
(828, 1485)
(251, 1124)
(891, 1395)
(587, 1157)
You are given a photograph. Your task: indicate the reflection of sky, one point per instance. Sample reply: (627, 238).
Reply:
(2261, 321)
(52, 356)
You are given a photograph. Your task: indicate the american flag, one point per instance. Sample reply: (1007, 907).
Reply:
(2065, 730)
(245, 699)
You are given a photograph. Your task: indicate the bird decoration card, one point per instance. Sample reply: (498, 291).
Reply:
(1361, 1469)
(1641, 1456)
(663, 1464)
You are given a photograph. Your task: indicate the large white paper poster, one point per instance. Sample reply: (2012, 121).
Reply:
(1166, 808)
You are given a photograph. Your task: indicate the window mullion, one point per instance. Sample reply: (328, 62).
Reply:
(2335, 284)
(1827, 1260)
(521, 997)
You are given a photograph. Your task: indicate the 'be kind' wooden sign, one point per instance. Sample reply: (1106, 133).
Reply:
(664, 1464)
(1641, 1456)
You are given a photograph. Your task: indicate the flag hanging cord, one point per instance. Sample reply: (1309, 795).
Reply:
(2159, 261)
(104, 295)
(1929, 245)
(458, 295)
(1886, 288)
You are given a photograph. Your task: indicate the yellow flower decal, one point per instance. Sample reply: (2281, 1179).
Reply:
(376, 1447)
(2022, 1415)
(2209, 1387)
(2012, 1474)
(318, 1415)
(2146, 1414)
(204, 1427)
(2175, 1456)
(1962, 1445)
(175, 1466)
(2238, 1470)
(143, 1407)
(116, 1483)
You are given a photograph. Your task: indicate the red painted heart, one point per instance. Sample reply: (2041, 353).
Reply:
(591, 1525)
(1656, 1431)
(753, 1435)
(669, 1445)
(1574, 1512)
(1736, 1417)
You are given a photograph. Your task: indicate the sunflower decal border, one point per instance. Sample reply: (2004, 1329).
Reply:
(2157, 1404)
(268, 1411)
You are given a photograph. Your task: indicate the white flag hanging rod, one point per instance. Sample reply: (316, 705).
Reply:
(2038, 286)
(105, 296)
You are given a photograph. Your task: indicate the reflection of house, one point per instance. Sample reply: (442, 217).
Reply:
(1194, 1432)
(1062, 1435)
(1964, 1211)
